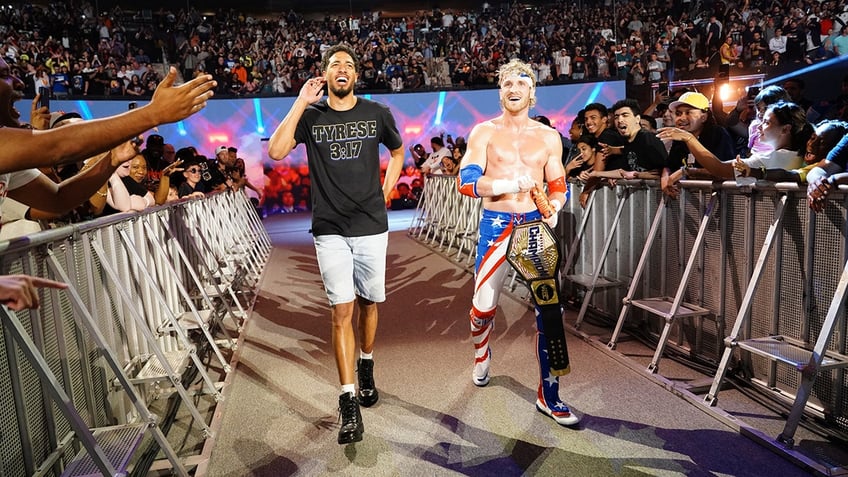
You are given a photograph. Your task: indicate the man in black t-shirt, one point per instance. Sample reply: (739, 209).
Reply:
(215, 175)
(342, 135)
(596, 122)
(645, 155)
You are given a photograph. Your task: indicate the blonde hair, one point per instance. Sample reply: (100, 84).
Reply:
(516, 67)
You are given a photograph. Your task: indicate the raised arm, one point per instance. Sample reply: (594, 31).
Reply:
(84, 139)
(282, 141)
(161, 195)
(46, 195)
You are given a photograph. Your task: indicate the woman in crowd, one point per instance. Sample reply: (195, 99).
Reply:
(587, 144)
(135, 88)
(824, 139)
(450, 166)
(128, 192)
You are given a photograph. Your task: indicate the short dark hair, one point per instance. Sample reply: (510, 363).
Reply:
(596, 107)
(543, 119)
(437, 141)
(627, 103)
(344, 47)
(589, 139)
(772, 94)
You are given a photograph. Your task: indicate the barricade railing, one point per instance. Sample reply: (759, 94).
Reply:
(151, 300)
(792, 296)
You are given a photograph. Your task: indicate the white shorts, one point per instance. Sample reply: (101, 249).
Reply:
(353, 266)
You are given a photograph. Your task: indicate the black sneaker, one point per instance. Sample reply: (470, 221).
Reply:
(352, 427)
(368, 394)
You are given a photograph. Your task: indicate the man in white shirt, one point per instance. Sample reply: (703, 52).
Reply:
(433, 164)
(778, 43)
(563, 63)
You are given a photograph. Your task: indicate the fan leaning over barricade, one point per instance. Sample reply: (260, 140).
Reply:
(596, 122)
(24, 149)
(831, 172)
(645, 154)
(825, 138)
(784, 128)
(517, 155)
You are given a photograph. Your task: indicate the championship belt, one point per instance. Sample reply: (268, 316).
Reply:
(533, 252)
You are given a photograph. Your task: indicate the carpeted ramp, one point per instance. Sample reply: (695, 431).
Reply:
(281, 416)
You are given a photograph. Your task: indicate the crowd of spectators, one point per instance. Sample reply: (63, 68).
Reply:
(78, 51)
(75, 51)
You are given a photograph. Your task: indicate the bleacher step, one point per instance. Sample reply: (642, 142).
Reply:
(585, 281)
(661, 306)
(153, 369)
(119, 443)
(777, 348)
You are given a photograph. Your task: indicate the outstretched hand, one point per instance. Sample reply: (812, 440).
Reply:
(741, 167)
(18, 292)
(174, 103)
(674, 134)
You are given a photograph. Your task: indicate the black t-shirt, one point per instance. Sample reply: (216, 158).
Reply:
(645, 152)
(133, 187)
(611, 137)
(343, 149)
(216, 176)
(715, 138)
(186, 189)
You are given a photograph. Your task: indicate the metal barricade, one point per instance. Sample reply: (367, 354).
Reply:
(716, 251)
(101, 352)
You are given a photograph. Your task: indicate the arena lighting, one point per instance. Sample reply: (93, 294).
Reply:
(731, 82)
(806, 69)
(222, 138)
(84, 110)
(181, 129)
(412, 129)
(260, 125)
(440, 108)
(724, 92)
(594, 94)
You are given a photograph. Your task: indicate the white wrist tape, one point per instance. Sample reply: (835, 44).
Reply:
(556, 205)
(504, 186)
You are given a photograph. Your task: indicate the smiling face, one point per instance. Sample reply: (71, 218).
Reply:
(771, 131)
(516, 93)
(595, 122)
(11, 90)
(690, 119)
(192, 174)
(340, 74)
(138, 168)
